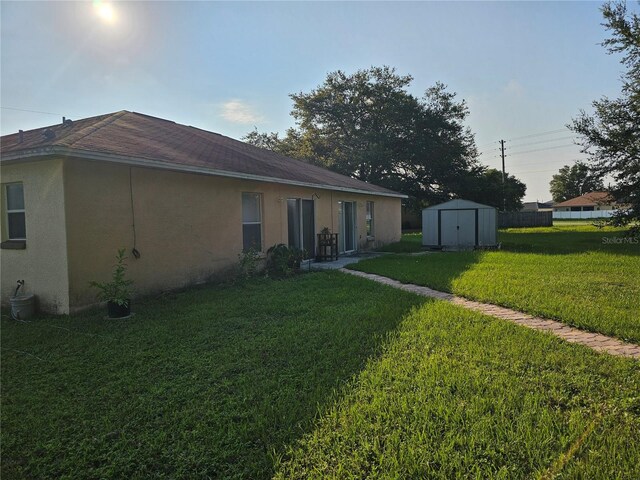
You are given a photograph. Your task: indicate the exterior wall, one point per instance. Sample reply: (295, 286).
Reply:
(595, 208)
(487, 227)
(43, 263)
(188, 227)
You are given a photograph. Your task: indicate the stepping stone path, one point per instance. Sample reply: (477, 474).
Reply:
(595, 341)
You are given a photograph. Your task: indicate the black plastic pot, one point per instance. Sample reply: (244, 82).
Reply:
(118, 311)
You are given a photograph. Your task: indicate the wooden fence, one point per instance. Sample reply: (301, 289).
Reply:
(525, 219)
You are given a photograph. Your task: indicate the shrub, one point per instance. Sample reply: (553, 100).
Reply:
(249, 264)
(283, 261)
(118, 290)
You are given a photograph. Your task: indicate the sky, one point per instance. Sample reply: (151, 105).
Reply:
(525, 69)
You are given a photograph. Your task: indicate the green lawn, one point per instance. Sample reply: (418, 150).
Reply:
(409, 243)
(317, 376)
(460, 395)
(209, 382)
(566, 273)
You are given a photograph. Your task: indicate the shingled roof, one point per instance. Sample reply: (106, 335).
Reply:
(590, 199)
(138, 139)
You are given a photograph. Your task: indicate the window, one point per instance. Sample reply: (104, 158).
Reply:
(16, 226)
(370, 231)
(251, 221)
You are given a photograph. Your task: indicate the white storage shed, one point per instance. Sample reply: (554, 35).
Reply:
(459, 224)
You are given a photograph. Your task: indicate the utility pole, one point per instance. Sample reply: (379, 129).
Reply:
(504, 198)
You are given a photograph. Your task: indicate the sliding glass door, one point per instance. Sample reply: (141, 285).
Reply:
(301, 221)
(347, 226)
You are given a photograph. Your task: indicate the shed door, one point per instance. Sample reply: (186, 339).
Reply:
(467, 227)
(458, 227)
(448, 227)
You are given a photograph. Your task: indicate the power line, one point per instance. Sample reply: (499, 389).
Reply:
(545, 141)
(31, 111)
(550, 170)
(542, 149)
(541, 163)
(533, 135)
(533, 171)
(486, 152)
(539, 134)
(489, 144)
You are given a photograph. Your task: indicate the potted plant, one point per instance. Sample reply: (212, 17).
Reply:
(117, 292)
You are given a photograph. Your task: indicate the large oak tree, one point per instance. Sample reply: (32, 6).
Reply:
(368, 126)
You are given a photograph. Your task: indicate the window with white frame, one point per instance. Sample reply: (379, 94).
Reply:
(370, 224)
(16, 225)
(251, 222)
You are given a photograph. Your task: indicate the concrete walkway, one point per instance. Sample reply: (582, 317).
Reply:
(595, 341)
(342, 261)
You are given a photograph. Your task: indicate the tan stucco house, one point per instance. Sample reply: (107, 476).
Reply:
(188, 200)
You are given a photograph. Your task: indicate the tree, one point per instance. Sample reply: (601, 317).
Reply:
(487, 188)
(611, 136)
(574, 180)
(269, 141)
(368, 126)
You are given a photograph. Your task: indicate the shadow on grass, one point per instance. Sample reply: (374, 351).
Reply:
(443, 267)
(212, 382)
(409, 243)
(553, 241)
(567, 242)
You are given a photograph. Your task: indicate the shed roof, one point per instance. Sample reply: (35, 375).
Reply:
(458, 204)
(138, 139)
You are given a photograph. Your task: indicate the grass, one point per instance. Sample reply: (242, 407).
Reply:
(567, 273)
(206, 383)
(409, 243)
(448, 400)
(323, 375)
(567, 239)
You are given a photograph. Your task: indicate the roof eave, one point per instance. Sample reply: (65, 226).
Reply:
(13, 157)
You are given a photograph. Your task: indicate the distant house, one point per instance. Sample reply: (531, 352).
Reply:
(188, 200)
(589, 205)
(537, 207)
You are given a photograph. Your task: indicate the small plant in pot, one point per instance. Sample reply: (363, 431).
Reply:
(117, 292)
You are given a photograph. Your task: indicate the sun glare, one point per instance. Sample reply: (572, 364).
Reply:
(104, 11)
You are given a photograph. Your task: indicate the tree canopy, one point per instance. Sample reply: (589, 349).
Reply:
(487, 188)
(574, 180)
(368, 126)
(611, 136)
